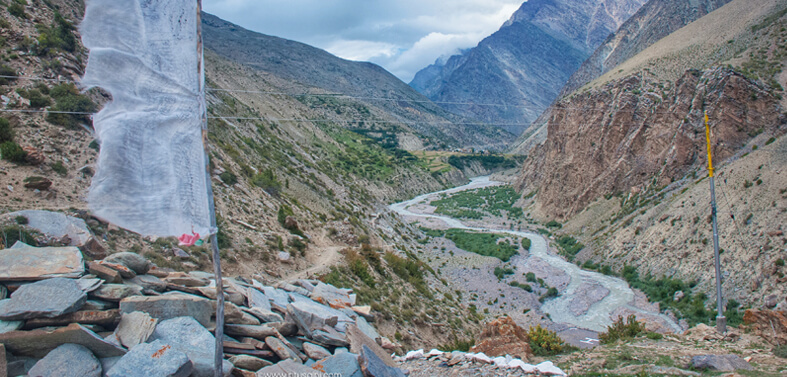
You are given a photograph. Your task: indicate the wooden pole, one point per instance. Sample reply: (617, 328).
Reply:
(214, 244)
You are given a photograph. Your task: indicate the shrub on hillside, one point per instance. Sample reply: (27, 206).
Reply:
(6, 71)
(68, 99)
(620, 329)
(544, 342)
(60, 36)
(6, 132)
(11, 151)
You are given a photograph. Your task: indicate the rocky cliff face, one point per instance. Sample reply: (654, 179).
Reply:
(526, 62)
(637, 133)
(652, 22)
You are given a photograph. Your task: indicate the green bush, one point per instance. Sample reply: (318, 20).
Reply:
(487, 244)
(11, 151)
(6, 132)
(552, 224)
(267, 181)
(36, 98)
(68, 99)
(17, 10)
(455, 345)
(551, 292)
(21, 220)
(620, 329)
(781, 351)
(569, 245)
(60, 36)
(503, 272)
(59, 168)
(6, 71)
(13, 233)
(228, 178)
(544, 342)
(526, 243)
(771, 140)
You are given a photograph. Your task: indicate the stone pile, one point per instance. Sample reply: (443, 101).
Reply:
(458, 359)
(123, 316)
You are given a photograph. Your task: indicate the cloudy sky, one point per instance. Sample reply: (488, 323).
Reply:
(403, 36)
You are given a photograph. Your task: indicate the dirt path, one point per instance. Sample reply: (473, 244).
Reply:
(330, 256)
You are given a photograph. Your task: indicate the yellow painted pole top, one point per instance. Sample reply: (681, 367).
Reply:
(707, 139)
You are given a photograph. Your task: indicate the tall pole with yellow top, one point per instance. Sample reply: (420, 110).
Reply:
(721, 321)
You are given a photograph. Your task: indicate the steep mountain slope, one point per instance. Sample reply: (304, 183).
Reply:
(311, 70)
(652, 22)
(623, 154)
(525, 63)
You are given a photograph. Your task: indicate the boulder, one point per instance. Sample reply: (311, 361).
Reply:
(149, 282)
(155, 359)
(504, 337)
(46, 298)
(116, 292)
(38, 183)
(288, 367)
(279, 298)
(104, 272)
(315, 352)
(284, 257)
(187, 335)
(252, 331)
(37, 343)
(107, 318)
(342, 364)
(94, 249)
(249, 362)
(135, 328)
(373, 366)
(125, 272)
(367, 329)
(55, 225)
(771, 301)
(27, 263)
(332, 296)
(134, 261)
(68, 360)
(8, 326)
(311, 316)
(720, 363)
(768, 324)
(282, 350)
(358, 340)
(170, 306)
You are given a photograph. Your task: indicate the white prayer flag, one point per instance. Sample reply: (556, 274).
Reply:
(151, 175)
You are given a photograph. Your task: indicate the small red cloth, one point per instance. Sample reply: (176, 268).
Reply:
(188, 239)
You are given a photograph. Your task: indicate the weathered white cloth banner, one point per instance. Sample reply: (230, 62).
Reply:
(151, 169)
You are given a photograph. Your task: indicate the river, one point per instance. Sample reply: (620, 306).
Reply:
(598, 316)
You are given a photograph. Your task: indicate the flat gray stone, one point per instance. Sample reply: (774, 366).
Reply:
(279, 298)
(98, 305)
(311, 316)
(107, 363)
(257, 299)
(249, 362)
(6, 326)
(87, 284)
(374, 366)
(288, 367)
(359, 341)
(155, 359)
(55, 225)
(37, 343)
(330, 337)
(367, 329)
(116, 292)
(29, 263)
(68, 360)
(315, 352)
(134, 261)
(135, 328)
(332, 296)
(149, 282)
(190, 337)
(720, 363)
(170, 306)
(343, 364)
(46, 298)
(252, 331)
(280, 349)
(264, 316)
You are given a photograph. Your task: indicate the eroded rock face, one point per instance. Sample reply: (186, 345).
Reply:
(504, 337)
(769, 324)
(617, 138)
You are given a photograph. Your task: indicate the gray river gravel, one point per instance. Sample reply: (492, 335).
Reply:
(600, 313)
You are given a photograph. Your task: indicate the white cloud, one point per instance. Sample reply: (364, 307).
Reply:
(402, 35)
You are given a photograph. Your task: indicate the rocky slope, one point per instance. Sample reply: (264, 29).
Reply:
(348, 87)
(623, 155)
(525, 63)
(290, 193)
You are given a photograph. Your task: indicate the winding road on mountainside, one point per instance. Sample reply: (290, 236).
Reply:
(597, 317)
